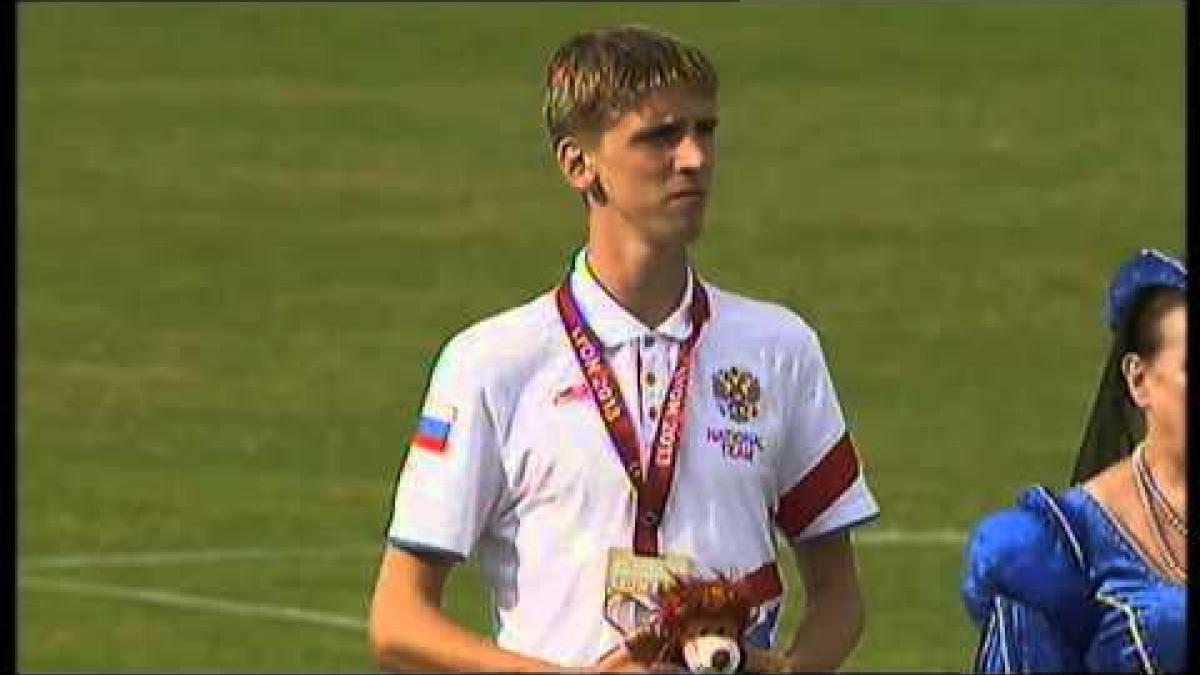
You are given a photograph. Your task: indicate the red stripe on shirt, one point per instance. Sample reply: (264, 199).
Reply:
(819, 488)
(763, 584)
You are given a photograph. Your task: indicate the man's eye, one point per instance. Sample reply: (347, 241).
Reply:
(664, 134)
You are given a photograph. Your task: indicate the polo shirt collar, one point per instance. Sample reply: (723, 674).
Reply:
(612, 323)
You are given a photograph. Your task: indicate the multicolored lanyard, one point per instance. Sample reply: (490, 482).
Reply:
(652, 485)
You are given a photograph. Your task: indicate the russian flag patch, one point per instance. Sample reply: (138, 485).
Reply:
(434, 428)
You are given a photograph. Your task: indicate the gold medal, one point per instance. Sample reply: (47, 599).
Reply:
(634, 581)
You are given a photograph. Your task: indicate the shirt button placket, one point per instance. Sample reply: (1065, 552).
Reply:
(649, 378)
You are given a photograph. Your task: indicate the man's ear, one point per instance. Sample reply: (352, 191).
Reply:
(575, 163)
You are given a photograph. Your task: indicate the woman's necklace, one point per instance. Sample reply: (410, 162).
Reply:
(1177, 521)
(1144, 493)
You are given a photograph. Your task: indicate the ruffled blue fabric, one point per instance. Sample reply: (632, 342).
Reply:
(1054, 586)
(1018, 638)
(1145, 269)
(1025, 555)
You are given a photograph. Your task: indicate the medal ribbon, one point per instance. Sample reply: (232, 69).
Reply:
(652, 484)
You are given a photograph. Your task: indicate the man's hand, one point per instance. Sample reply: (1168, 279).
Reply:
(767, 661)
(620, 660)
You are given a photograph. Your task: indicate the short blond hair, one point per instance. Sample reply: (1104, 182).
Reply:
(597, 75)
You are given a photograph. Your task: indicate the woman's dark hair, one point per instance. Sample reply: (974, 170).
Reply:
(1144, 289)
(1141, 331)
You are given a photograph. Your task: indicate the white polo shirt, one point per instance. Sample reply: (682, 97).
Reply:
(513, 462)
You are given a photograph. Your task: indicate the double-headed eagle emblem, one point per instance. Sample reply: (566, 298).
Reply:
(738, 394)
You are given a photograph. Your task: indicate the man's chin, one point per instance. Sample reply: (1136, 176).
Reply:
(679, 231)
(692, 229)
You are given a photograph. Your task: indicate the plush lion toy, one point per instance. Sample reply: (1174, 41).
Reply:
(698, 625)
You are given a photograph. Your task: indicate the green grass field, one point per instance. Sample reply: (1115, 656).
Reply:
(245, 229)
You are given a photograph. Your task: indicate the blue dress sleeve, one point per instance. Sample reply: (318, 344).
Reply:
(1018, 638)
(1025, 587)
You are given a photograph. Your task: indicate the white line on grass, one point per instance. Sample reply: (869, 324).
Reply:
(867, 536)
(155, 596)
(158, 558)
(879, 537)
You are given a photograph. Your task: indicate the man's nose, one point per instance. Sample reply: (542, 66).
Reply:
(694, 152)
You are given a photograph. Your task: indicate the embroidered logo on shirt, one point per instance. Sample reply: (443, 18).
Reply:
(735, 443)
(434, 428)
(575, 392)
(738, 394)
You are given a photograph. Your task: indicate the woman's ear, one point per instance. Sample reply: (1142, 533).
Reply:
(1133, 369)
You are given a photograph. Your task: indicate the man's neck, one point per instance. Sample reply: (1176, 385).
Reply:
(648, 281)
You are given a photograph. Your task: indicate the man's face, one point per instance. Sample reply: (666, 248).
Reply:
(655, 164)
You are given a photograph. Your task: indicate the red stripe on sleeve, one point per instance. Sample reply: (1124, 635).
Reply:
(819, 488)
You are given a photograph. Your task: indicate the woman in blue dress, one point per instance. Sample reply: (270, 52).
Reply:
(1094, 578)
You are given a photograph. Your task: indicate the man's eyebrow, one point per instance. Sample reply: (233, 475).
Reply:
(673, 126)
(663, 128)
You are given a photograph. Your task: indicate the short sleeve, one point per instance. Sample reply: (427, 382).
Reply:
(451, 476)
(820, 482)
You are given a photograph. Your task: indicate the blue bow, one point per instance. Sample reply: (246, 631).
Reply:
(1146, 269)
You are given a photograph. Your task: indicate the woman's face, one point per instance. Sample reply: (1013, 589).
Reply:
(1158, 383)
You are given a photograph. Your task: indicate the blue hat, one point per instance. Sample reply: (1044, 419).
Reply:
(1148, 268)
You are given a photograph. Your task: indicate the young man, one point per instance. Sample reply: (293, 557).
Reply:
(632, 421)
